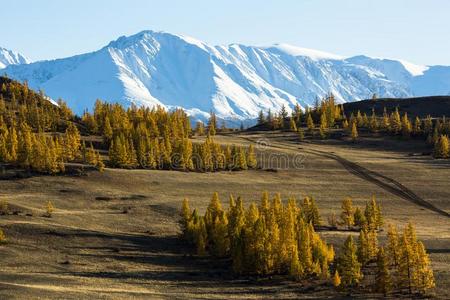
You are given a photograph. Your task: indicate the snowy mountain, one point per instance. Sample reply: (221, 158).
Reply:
(8, 57)
(236, 81)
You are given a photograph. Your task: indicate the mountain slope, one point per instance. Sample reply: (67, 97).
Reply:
(8, 57)
(236, 81)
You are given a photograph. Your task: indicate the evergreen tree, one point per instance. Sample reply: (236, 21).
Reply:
(201, 238)
(359, 218)
(336, 279)
(372, 243)
(359, 119)
(441, 147)
(297, 115)
(25, 145)
(219, 240)
(107, 130)
(283, 113)
(99, 162)
(383, 277)
(293, 125)
(216, 226)
(186, 155)
(73, 143)
(236, 224)
(373, 214)
(424, 277)
(406, 273)
(269, 118)
(366, 122)
(305, 248)
(185, 216)
(428, 125)
(295, 269)
(393, 244)
(385, 124)
(310, 211)
(363, 246)
(373, 124)
(347, 215)
(406, 126)
(310, 123)
(212, 124)
(417, 129)
(241, 159)
(49, 209)
(345, 124)
(323, 126)
(117, 152)
(395, 122)
(348, 266)
(354, 133)
(261, 118)
(251, 157)
(91, 157)
(13, 144)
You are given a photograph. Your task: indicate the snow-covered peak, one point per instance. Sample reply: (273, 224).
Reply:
(236, 81)
(9, 57)
(298, 51)
(415, 70)
(150, 36)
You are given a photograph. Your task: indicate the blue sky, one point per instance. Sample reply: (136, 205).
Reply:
(414, 30)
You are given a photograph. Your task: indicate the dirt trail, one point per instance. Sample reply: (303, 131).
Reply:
(385, 182)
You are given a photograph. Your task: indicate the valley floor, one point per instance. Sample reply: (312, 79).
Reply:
(113, 235)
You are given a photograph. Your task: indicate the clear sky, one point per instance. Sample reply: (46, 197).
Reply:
(414, 30)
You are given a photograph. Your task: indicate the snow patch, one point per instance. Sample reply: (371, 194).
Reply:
(415, 70)
(298, 51)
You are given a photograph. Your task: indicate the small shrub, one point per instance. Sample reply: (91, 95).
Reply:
(49, 209)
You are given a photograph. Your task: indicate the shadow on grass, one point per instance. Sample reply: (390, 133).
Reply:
(176, 266)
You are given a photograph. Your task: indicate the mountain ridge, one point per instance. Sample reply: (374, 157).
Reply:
(236, 81)
(9, 57)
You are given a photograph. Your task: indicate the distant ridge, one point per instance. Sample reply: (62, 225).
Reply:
(235, 81)
(9, 57)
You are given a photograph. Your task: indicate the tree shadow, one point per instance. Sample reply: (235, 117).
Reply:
(169, 261)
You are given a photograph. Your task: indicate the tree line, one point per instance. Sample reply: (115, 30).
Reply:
(38, 135)
(34, 133)
(277, 238)
(160, 139)
(326, 115)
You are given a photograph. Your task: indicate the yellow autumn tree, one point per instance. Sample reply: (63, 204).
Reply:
(347, 214)
(348, 265)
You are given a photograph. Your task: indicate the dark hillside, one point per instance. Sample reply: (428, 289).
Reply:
(436, 106)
